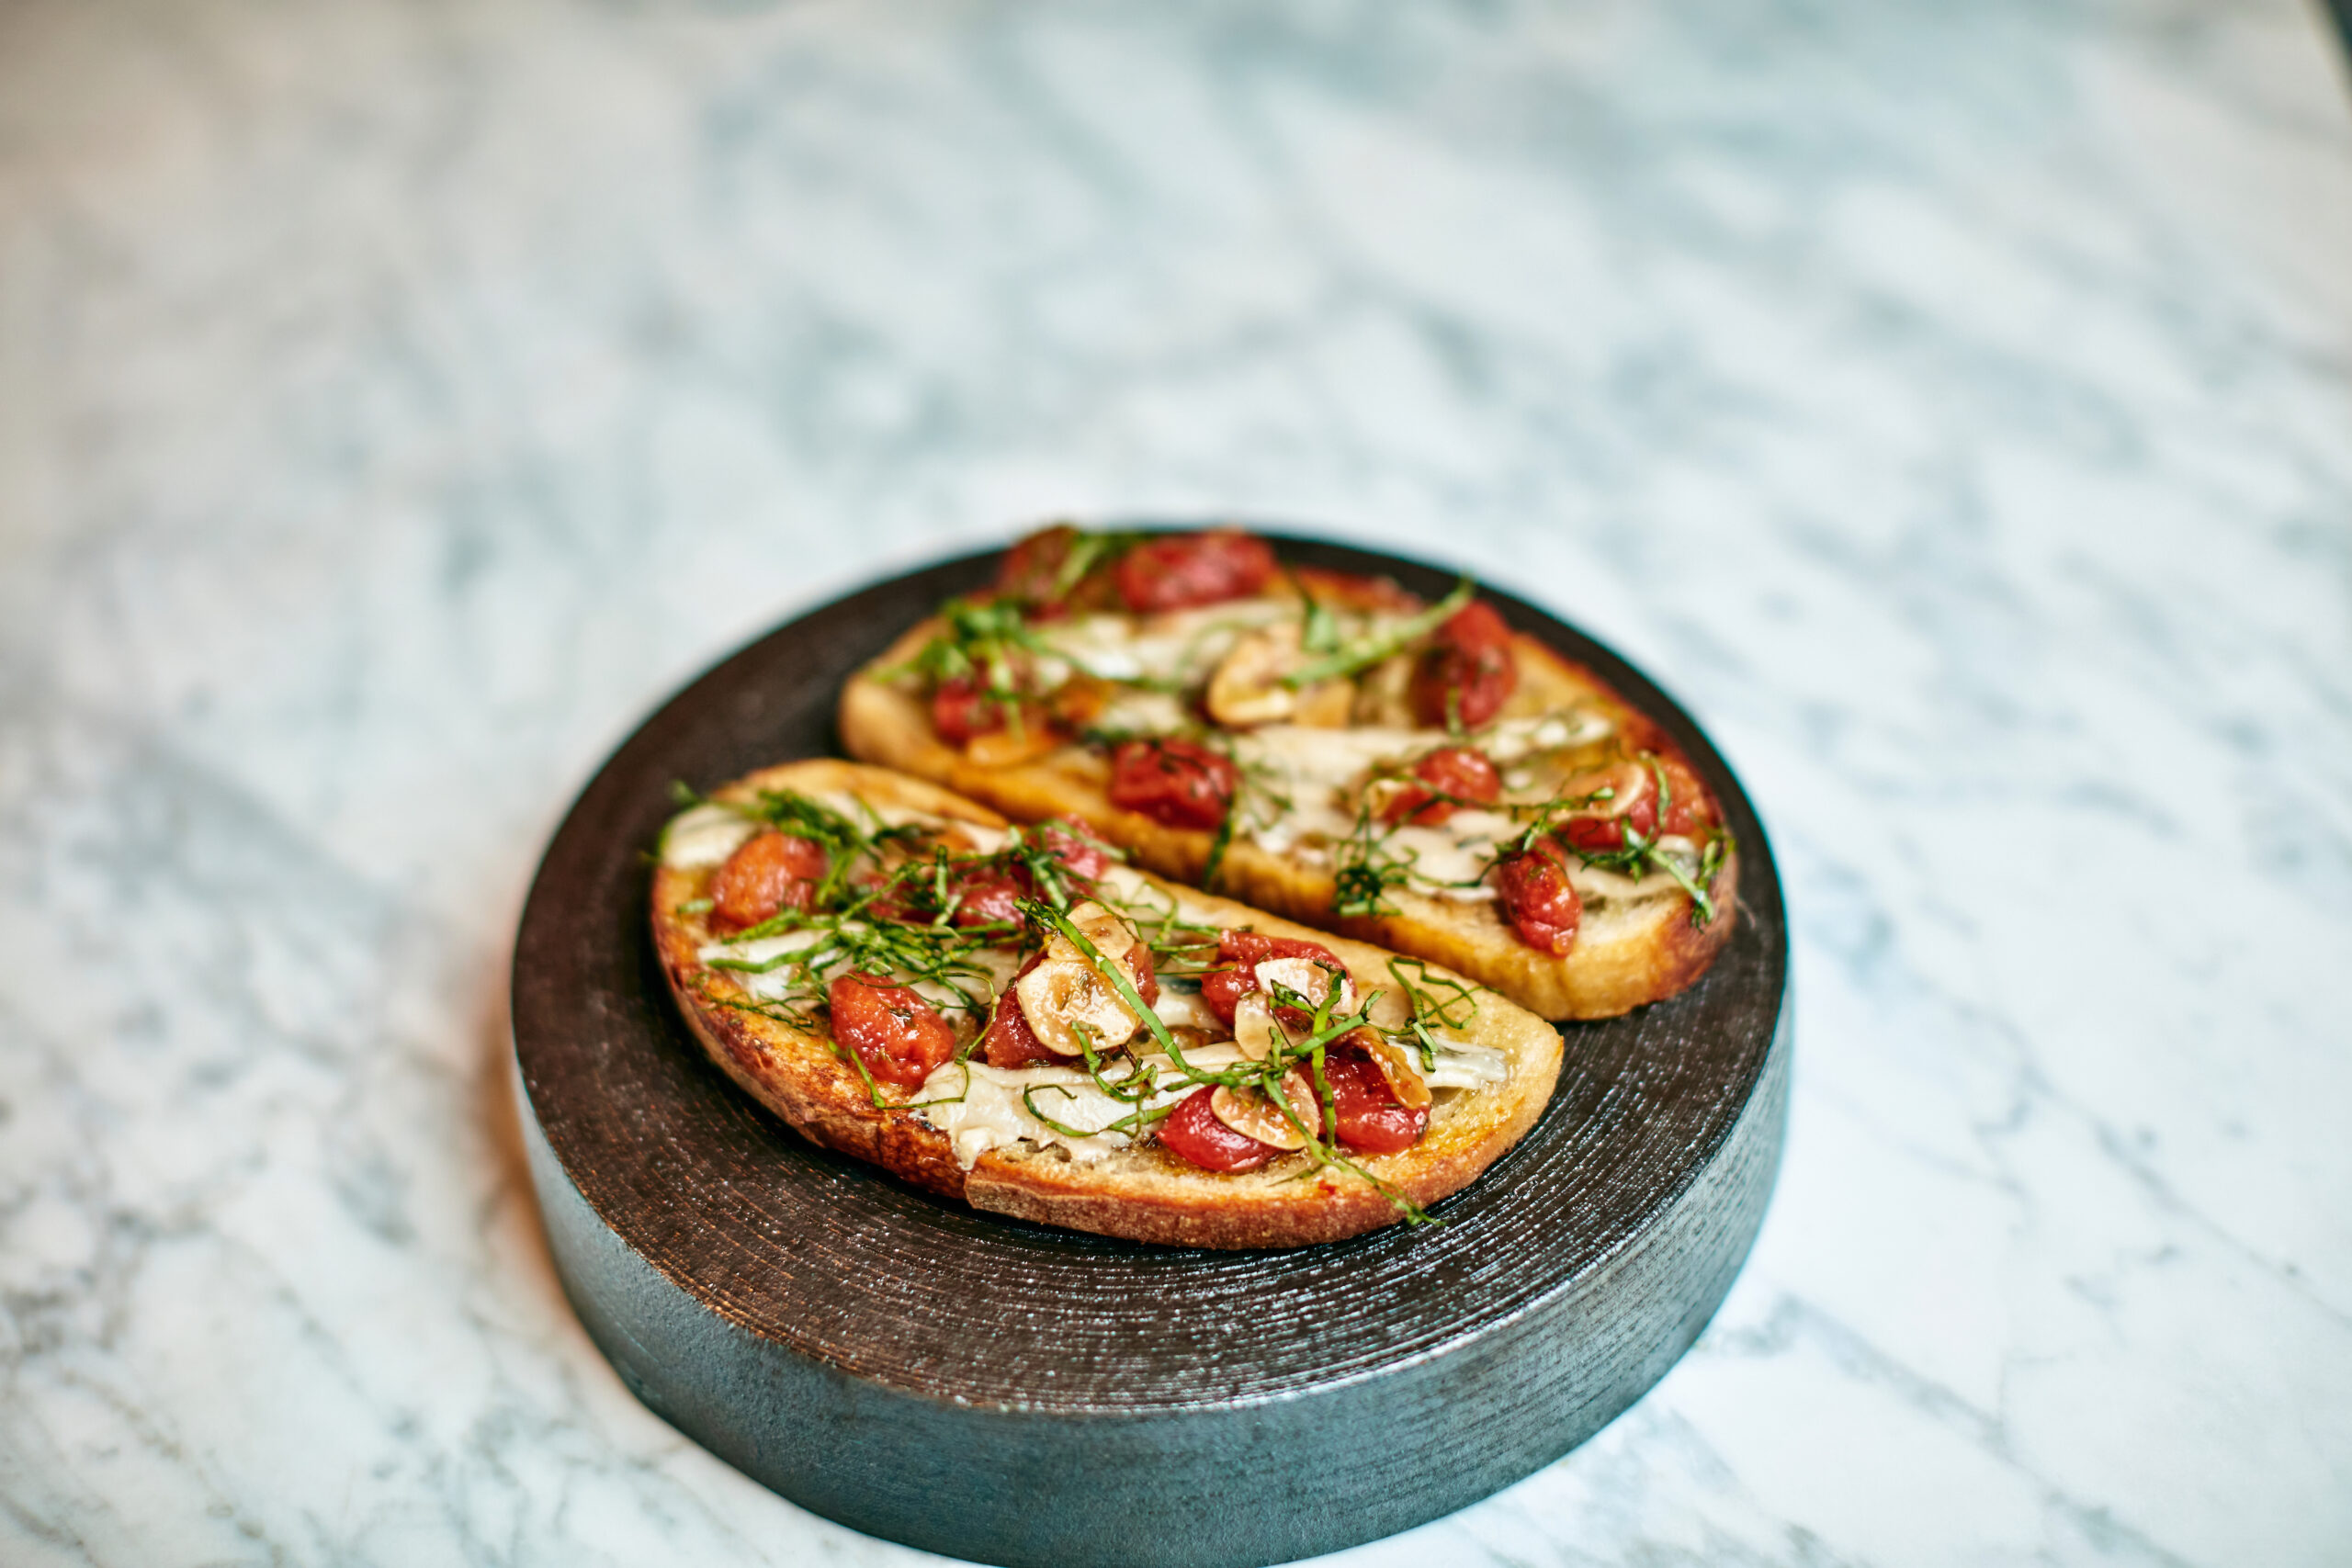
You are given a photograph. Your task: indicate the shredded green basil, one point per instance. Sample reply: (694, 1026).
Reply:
(1382, 643)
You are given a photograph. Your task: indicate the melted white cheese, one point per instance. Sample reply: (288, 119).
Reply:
(1449, 854)
(1461, 1064)
(772, 985)
(1145, 713)
(1516, 738)
(984, 840)
(981, 1108)
(996, 964)
(1596, 886)
(1185, 1008)
(967, 836)
(704, 835)
(1181, 646)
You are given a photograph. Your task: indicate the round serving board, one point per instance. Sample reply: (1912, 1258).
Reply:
(1002, 1391)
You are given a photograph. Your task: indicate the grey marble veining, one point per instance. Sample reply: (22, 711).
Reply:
(1954, 404)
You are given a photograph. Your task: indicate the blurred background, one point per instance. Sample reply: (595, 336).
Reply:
(1951, 405)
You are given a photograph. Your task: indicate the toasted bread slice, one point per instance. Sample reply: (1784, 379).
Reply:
(1640, 942)
(783, 1055)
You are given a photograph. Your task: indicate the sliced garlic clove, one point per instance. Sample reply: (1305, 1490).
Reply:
(1396, 1065)
(1392, 1008)
(1626, 782)
(1253, 1115)
(1248, 687)
(1110, 935)
(1303, 976)
(1380, 795)
(1253, 1026)
(1061, 998)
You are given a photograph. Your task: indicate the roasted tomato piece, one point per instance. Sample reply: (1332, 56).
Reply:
(965, 715)
(1443, 781)
(1467, 672)
(1239, 954)
(1537, 898)
(1009, 1041)
(1179, 571)
(1144, 973)
(898, 1036)
(1178, 784)
(988, 899)
(1688, 809)
(1369, 1118)
(770, 873)
(1598, 835)
(1072, 843)
(1191, 1131)
(1032, 570)
(960, 709)
(892, 899)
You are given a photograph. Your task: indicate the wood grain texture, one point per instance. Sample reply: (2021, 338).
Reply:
(1008, 1392)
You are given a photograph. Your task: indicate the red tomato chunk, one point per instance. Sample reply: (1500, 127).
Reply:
(1598, 835)
(1032, 570)
(959, 710)
(1145, 975)
(770, 873)
(1072, 843)
(1193, 1132)
(1537, 898)
(1009, 1041)
(1177, 784)
(1468, 671)
(1689, 810)
(989, 900)
(1443, 781)
(1370, 1121)
(898, 1036)
(1180, 571)
(1240, 952)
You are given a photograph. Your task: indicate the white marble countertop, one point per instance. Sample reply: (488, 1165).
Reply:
(1953, 404)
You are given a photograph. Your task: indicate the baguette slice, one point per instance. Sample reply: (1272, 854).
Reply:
(1632, 950)
(1138, 1190)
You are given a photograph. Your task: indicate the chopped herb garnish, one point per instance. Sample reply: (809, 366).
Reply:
(1382, 642)
(1636, 855)
(1320, 632)
(1088, 551)
(1365, 869)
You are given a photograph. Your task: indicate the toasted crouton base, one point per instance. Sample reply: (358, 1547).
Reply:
(1639, 953)
(1140, 1192)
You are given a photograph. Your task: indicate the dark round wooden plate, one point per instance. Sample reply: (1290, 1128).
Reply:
(1006, 1392)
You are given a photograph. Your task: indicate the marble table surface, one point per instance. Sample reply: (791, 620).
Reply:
(1951, 404)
